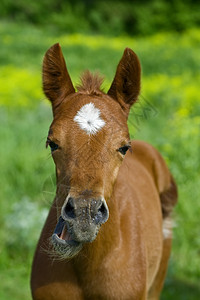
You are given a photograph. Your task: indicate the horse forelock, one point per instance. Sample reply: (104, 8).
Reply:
(90, 84)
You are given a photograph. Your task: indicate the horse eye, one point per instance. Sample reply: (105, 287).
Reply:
(124, 149)
(53, 146)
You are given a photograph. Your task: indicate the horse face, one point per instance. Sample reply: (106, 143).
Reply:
(88, 139)
(88, 144)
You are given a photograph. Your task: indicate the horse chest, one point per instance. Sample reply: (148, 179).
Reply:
(115, 278)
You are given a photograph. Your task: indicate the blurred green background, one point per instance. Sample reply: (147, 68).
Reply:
(93, 34)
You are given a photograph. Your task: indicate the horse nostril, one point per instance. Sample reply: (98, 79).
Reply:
(69, 209)
(102, 209)
(102, 213)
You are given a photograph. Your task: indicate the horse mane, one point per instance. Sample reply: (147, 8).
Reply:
(90, 84)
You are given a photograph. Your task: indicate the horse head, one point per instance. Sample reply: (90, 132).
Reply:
(88, 139)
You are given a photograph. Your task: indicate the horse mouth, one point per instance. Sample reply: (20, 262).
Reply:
(62, 240)
(61, 233)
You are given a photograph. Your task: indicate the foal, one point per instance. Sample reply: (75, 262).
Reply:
(102, 177)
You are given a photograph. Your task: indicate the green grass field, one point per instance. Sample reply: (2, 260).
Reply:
(167, 116)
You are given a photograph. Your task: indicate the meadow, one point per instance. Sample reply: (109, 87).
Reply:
(167, 115)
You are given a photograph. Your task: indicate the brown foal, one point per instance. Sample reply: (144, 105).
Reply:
(108, 232)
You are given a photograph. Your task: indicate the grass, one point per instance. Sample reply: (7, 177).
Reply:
(167, 116)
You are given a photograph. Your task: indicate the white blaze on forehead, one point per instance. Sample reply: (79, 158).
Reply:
(88, 118)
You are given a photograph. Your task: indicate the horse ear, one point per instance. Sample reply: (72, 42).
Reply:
(125, 87)
(57, 83)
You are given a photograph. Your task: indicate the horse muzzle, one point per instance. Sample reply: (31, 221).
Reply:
(79, 223)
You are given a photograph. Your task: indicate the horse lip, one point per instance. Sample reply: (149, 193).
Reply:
(58, 231)
(59, 226)
(56, 239)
